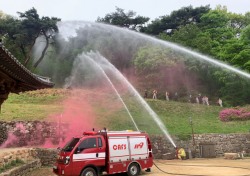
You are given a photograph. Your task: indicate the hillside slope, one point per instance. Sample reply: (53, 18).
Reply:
(38, 105)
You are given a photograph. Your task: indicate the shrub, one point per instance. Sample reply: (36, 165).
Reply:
(231, 114)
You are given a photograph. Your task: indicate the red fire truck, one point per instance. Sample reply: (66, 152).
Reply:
(111, 152)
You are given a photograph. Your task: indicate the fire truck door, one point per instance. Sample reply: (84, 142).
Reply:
(90, 151)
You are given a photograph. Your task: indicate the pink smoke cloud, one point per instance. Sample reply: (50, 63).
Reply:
(78, 115)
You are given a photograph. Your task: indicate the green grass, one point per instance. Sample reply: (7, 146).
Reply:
(111, 113)
(176, 118)
(205, 119)
(34, 105)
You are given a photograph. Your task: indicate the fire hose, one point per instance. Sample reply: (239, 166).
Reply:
(195, 165)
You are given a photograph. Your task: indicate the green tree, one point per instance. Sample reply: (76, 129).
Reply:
(123, 19)
(215, 18)
(178, 18)
(245, 37)
(162, 68)
(23, 33)
(10, 29)
(238, 21)
(35, 27)
(236, 50)
(149, 59)
(224, 36)
(190, 36)
(245, 54)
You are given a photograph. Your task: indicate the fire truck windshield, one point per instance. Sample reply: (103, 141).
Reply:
(70, 145)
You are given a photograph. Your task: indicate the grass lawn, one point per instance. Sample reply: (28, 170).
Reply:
(205, 119)
(174, 115)
(33, 105)
(110, 113)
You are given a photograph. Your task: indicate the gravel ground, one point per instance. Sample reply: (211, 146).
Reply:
(195, 167)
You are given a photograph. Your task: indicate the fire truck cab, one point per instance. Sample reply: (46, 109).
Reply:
(103, 152)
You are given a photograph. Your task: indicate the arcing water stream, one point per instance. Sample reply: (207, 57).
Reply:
(89, 58)
(134, 39)
(103, 62)
(198, 55)
(68, 29)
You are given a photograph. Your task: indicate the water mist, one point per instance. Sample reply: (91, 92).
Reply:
(88, 57)
(125, 41)
(104, 64)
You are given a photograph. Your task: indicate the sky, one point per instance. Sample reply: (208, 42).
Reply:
(90, 10)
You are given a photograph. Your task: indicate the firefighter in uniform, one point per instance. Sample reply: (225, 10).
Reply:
(181, 154)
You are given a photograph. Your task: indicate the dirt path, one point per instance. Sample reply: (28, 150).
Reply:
(195, 167)
(206, 167)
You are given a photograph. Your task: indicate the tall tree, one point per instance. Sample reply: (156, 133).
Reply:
(36, 27)
(24, 32)
(123, 19)
(178, 18)
(190, 36)
(10, 31)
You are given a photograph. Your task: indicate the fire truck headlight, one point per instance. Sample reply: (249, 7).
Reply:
(66, 160)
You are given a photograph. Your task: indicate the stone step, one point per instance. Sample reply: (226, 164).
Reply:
(23, 169)
(231, 156)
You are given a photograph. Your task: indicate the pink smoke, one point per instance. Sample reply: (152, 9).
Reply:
(11, 138)
(78, 116)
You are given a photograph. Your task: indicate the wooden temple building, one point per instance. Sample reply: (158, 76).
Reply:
(15, 78)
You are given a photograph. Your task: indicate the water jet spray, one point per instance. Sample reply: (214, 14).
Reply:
(113, 87)
(133, 37)
(102, 62)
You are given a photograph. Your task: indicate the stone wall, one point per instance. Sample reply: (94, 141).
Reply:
(33, 158)
(29, 133)
(226, 143)
(11, 154)
(222, 143)
(36, 133)
(47, 157)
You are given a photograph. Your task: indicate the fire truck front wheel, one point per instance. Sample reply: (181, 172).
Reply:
(89, 172)
(133, 169)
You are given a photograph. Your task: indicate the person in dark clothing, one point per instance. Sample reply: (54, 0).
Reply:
(145, 94)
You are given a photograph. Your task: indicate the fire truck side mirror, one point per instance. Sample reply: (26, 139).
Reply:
(78, 150)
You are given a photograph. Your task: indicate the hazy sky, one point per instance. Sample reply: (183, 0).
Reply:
(89, 10)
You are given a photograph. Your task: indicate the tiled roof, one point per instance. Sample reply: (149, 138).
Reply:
(25, 80)
(15, 78)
